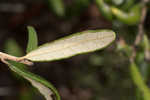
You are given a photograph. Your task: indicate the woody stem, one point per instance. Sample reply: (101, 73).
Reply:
(4, 56)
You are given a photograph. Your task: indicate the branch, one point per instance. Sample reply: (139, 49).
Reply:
(4, 57)
(140, 34)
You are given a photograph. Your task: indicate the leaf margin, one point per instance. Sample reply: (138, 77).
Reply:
(32, 39)
(24, 73)
(78, 33)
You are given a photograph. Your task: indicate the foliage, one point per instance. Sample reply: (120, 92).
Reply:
(119, 72)
(33, 41)
(61, 49)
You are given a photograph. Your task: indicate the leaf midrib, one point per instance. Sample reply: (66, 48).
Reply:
(73, 44)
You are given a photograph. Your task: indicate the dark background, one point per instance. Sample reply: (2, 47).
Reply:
(101, 75)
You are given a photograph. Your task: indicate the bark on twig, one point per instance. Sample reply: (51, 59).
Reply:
(140, 34)
(4, 57)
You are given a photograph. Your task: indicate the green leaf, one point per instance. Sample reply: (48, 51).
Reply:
(32, 41)
(146, 42)
(104, 9)
(45, 88)
(138, 81)
(128, 4)
(57, 6)
(130, 18)
(82, 42)
(11, 47)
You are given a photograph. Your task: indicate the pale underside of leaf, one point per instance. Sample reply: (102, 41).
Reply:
(45, 88)
(83, 42)
(46, 92)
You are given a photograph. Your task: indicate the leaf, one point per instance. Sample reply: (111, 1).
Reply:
(130, 18)
(57, 6)
(146, 42)
(45, 88)
(11, 47)
(32, 41)
(138, 81)
(82, 42)
(105, 9)
(127, 4)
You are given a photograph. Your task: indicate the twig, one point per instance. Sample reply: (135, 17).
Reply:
(4, 57)
(139, 36)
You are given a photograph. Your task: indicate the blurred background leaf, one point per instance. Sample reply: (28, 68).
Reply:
(104, 74)
(57, 7)
(32, 39)
(139, 82)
